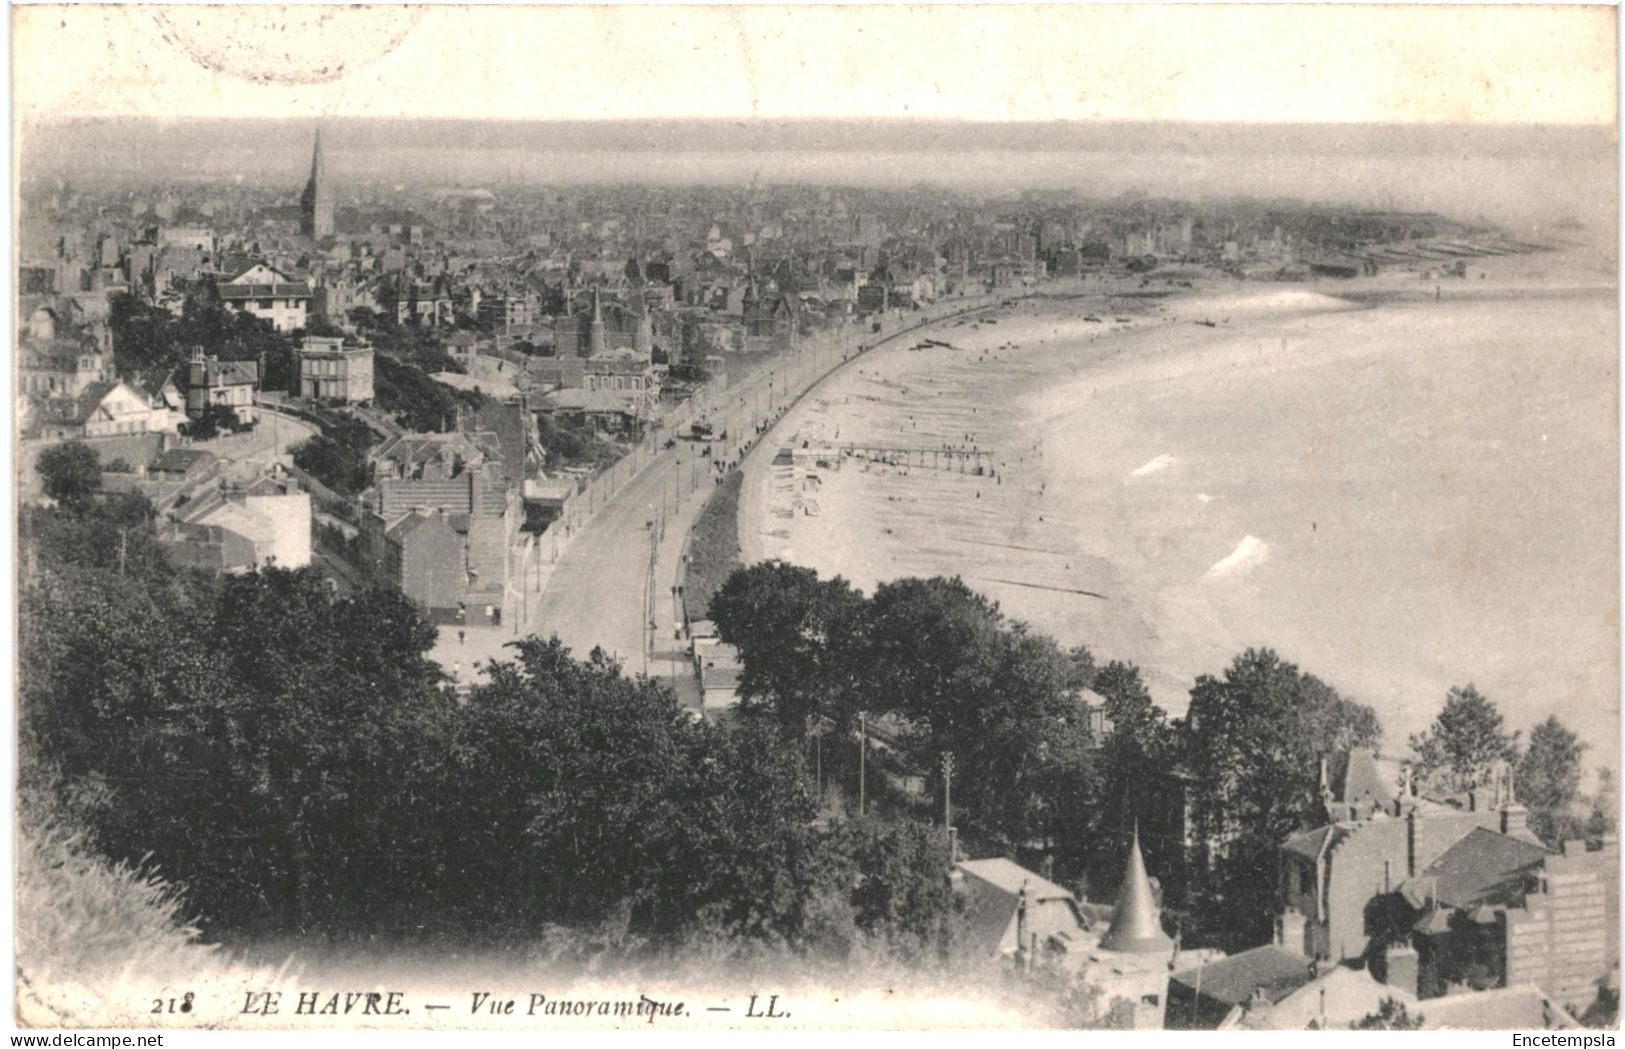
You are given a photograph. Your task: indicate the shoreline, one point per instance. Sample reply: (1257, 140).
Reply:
(1038, 542)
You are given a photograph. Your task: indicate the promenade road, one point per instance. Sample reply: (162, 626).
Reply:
(606, 589)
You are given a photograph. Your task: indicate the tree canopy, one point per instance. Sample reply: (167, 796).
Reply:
(1253, 740)
(70, 473)
(1548, 782)
(1464, 742)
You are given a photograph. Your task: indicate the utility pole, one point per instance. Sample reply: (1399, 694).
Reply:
(948, 803)
(818, 764)
(863, 761)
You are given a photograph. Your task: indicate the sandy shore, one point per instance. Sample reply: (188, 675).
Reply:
(1399, 498)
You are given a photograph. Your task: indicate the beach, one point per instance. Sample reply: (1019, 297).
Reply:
(1399, 487)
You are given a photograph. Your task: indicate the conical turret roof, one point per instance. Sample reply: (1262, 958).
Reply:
(1136, 924)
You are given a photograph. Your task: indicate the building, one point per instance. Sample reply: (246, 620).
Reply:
(427, 556)
(1121, 950)
(334, 369)
(266, 522)
(1438, 895)
(505, 312)
(316, 203)
(102, 409)
(628, 375)
(771, 323)
(717, 665)
(268, 293)
(1336, 998)
(453, 481)
(61, 368)
(1014, 913)
(1214, 995)
(210, 381)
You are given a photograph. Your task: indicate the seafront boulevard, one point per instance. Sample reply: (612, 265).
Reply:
(605, 575)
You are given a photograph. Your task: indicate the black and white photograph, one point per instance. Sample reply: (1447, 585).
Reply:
(1008, 517)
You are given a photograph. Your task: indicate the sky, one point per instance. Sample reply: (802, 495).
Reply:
(1318, 63)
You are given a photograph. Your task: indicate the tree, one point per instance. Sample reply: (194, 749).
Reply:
(271, 748)
(1134, 759)
(900, 889)
(1603, 818)
(987, 691)
(215, 420)
(337, 457)
(1253, 743)
(1549, 781)
(419, 402)
(70, 473)
(1464, 742)
(599, 797)
(799, 638)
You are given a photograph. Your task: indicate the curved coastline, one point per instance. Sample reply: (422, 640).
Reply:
(1121, 473)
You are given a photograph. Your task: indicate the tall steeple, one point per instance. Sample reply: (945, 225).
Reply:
(644, 339)
(316, 203)
(595, 335)
(1136, 924)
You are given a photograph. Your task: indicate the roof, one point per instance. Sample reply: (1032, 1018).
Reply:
(411, 522)
(1359, 775)
(230, 373)
(180, 460)
(1523, 1007)
(1337, 998)
(577, 400)
(77, 410)
(1272, 969)
(1308, 843)
(720, 677)
(1483, 867)
(454, 495)
(1009, 877)
(415, 449)
(992, 889)
(293, 289)
(210, 547)
(1136, 921)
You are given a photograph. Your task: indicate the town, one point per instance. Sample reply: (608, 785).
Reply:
(249, 410)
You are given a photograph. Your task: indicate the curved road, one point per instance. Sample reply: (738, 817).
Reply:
(604, 591)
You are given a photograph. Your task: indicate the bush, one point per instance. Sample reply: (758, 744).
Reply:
(713, 553)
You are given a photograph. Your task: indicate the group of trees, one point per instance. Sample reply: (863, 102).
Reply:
(150, 342)
(1468, 741)
(337, 457)
(966, 681)
(1243, 764)
(295, 761)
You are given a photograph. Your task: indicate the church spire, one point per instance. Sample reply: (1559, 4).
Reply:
(1136, 925)
(317, 174)
(595, 335)
(316, 203)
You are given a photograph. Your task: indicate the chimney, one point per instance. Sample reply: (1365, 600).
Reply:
(1290, 930)
(1416, 843)
(1021, 927)
(1515, 820)
(1402, 968)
